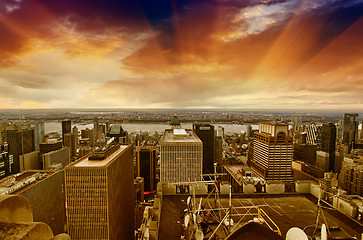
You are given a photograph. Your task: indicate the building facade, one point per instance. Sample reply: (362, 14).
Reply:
(66, 128)
(313, 135)
(45, 192)
(350, 129)
(38, 134)
(99, 195)
(20, 142)
(272, 152)
(70, 140)
(205, 132)
(181, 156)
(5, 161)
(328, 139)
(351, 176)
(146, 166)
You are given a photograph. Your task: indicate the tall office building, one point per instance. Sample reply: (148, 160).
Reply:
(20, 142)
(146, 166)
(99, 195)
(75, 132)
(272, 152)
(38, 134)
(351, 176)
(313, 135)
(71, 142)
(95, 126)
(66, 128)
(218, 147)
(340, 126)
(328, 139)
(305, 153)
(350, 129)
(88, 133)
(249, 131)
(205, 132)
(181, 157)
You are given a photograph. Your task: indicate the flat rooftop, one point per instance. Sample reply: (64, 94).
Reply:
(286, 211)
(85, 162)
(236, 172)
(17, 183)
(179, 136)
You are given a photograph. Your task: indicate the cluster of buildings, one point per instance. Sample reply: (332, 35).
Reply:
(90, 183)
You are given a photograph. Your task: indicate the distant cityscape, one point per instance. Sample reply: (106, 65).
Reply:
(181, 175)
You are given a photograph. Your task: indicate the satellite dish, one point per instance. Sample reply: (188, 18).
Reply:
(198, 235)
(324, 235)
(186, 220)
(296, 234)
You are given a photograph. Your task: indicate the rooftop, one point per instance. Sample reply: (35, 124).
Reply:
(237, 172)
(86, 162)
(116, 129)
(286, 211)
(180, 135)
(17, 183)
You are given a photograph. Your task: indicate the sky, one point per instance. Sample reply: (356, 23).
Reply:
(229, 54)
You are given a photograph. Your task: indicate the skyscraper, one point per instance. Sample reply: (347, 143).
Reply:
(75, 132)
(71, 142)
(350, 130)
(314, 135)
(205, 132)
(20, 142)
(272, 152)
(38, 134)
(66, 128)
(328, 139)
(146, 166)
(181, 156)
(100, 195)
(249, 131)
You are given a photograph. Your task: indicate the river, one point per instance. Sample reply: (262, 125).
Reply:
(145, 127)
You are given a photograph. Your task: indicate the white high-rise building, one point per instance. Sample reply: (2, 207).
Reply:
(181, 156)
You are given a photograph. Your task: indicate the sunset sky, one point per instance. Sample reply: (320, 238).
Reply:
(232, 54)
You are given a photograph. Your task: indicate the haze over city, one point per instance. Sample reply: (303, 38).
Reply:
(291, 55)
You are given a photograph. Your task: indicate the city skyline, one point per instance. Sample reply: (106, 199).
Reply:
(253, 55)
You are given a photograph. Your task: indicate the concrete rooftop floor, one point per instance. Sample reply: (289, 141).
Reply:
(286, 211)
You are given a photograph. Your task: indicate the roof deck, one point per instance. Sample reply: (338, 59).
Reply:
(86, 162)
